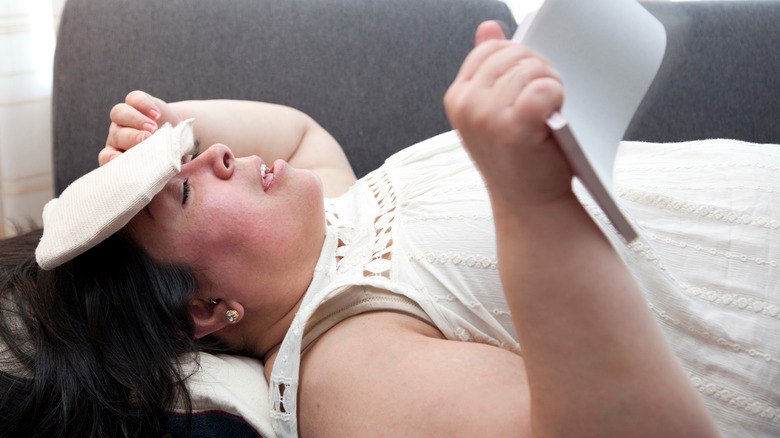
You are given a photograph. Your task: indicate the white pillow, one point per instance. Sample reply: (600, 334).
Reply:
(234, 385)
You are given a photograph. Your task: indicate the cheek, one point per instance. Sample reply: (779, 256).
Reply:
(265, 228)
(291, 232)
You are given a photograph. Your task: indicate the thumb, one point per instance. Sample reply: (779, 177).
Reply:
(490, 30)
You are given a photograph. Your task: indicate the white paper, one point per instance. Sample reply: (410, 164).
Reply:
(607, 52)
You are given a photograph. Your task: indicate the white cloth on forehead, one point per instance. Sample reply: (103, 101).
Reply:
(104, 200)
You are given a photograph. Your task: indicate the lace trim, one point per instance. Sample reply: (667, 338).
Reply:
(678, 167)
(706, 187)
(500, 312)
(332, 219)
(703, 333)
(692, 209)
(731, 255)
(459, 188)
(470, 260)
(380, 263)
(472, 305)
(282, 387)
(734, 300)
(646, 252)
(735, 399)
(430, 218)
(468, 336)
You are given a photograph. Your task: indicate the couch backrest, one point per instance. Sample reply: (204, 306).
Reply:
(373, 73)
(720, 76)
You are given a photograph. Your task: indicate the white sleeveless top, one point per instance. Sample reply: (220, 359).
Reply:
(420, 227)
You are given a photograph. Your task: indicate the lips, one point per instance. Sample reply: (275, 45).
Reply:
(268, 177)
(271, 175)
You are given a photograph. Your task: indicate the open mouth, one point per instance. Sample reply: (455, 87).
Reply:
(271, 175)
(267, 176)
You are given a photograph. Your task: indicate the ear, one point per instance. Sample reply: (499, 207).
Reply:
(210, 318)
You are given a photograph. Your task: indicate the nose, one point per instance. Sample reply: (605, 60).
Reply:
(218, 158)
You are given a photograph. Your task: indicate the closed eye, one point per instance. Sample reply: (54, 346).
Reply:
(185, 191)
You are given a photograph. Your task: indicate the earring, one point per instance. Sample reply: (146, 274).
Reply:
(232, 316)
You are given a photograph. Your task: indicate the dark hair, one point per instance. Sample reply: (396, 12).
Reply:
(93, 347)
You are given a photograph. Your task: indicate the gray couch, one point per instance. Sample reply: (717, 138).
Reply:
(373, 73)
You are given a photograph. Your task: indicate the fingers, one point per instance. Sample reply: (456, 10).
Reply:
(503, 76)
(522, 74)
(132, 122)
(125, 116)
(143, 103)
(477, 57)
(138, 112)
(499, 103)
(491, 30)
(495, 59)
(107, 154)
(124, 137)
(541, 98)
(505, 86)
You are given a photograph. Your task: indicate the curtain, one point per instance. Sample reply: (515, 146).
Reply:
(27, 34)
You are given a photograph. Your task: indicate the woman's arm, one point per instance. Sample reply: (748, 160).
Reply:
(596, 360)
(248, 128)
(387, 374)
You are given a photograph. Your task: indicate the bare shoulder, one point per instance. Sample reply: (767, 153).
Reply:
(385, 374)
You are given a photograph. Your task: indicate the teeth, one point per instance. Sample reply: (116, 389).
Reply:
(263, 168)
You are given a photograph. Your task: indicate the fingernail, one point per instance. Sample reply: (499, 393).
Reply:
(154, 113)
(151, 127)
(142, 136)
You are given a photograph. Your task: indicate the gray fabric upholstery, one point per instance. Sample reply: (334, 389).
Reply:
(372, 72)
(720, 77)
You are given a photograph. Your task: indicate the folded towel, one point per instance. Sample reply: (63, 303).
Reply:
(104, 200)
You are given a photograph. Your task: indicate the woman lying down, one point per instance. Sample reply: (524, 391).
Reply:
(437, 296)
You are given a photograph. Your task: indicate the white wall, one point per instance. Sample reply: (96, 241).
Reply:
(27, 30)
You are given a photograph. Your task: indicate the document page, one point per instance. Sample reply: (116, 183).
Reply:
(608, 52)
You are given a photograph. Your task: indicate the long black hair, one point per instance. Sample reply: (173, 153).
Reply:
(95, 346)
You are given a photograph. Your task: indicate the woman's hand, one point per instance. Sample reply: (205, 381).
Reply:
(499, 102)
(134, 121)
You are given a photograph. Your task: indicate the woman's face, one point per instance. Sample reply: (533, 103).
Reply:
(244, 237)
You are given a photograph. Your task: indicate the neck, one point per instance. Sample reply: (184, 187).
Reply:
(274, 335)
(268, 348)
(263, 340)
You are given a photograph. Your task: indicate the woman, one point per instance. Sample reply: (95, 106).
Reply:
(265, 251)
